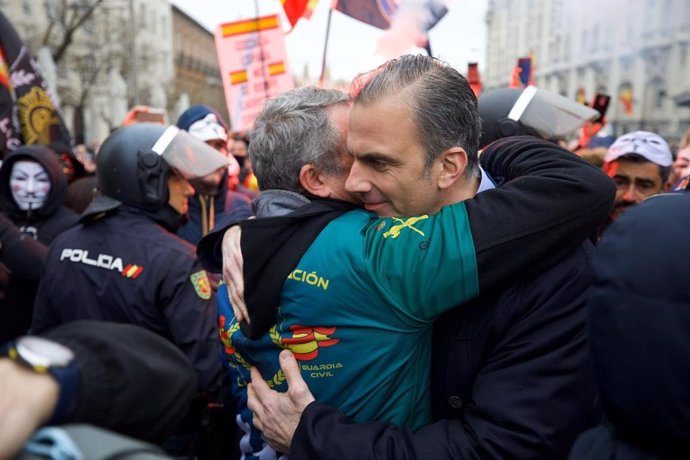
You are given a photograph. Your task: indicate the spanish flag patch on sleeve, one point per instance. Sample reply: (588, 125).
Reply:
(201, 284)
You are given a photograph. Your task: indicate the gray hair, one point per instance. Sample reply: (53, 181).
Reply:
(443, 105)
(293, 129)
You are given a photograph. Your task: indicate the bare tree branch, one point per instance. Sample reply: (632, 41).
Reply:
(74, 23)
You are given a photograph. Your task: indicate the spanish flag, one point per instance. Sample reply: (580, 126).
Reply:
(237, 77)
(250, 25)
(294, 9)
(276, 68)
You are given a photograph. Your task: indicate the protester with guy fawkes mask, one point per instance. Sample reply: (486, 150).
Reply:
(33, 188)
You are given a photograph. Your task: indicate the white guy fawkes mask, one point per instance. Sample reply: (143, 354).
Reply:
(30, 184)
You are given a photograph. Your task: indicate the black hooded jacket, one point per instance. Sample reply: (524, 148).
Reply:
(52, 218)
(42, 224)
(639, 315)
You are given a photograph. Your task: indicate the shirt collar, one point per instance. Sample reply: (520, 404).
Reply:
(486, 182)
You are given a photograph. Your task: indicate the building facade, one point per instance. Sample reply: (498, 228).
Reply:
(120, 56)
(637, 51)
(197, 74)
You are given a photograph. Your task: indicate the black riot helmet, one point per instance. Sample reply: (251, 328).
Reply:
(507, 112)
(134, 163)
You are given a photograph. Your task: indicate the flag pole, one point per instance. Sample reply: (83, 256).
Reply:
(325, 45)
(262, 58)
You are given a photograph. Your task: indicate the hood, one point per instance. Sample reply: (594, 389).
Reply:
(640, 323)
(272, 203)
(58, 182)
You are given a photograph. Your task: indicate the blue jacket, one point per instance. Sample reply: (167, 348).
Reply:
(639, 323)
(202, 207)
(126, 268)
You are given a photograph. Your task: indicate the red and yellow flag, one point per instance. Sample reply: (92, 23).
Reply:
(309, 10)
(294, 9)
(625, 95)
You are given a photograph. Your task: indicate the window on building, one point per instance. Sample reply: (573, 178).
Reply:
(595, 38)
(142, 15)
(583, 42)
(668, 20)
(683, 55)
(608, 38)
(648, 26)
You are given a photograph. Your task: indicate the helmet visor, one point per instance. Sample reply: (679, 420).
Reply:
(549, 114)
(189, 156)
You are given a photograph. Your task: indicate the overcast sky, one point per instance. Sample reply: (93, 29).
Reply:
(458, 38)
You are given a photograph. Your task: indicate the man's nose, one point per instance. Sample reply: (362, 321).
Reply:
(189, 190)
(631, 195)
(356, 181)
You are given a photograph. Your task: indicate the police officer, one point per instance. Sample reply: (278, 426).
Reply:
(507, 112)
(123, 263)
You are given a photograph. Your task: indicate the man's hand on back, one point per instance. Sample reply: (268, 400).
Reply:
(277, 414)
(233, 276)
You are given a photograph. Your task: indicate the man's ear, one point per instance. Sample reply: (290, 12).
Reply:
(667, 186)
(311, 181)
(453, 162)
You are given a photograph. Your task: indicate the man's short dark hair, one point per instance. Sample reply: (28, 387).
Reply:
(444, 106)
(664, 171)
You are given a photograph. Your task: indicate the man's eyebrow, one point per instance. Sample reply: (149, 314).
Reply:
(376, 156)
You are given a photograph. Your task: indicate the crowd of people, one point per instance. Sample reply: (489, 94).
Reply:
(404, 271)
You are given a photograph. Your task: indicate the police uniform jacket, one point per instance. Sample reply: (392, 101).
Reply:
(126, 268)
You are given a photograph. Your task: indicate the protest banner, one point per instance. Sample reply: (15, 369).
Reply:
(253, 65)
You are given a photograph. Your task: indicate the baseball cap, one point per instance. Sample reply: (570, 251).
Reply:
(208, 129)
(203, 123)
(648, 145)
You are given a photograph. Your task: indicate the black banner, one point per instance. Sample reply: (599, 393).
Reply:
(28, 113)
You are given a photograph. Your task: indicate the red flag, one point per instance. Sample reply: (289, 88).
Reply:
(294, 9)
(515, 78)
(380, 13)
(473, 78)
(28, 113)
